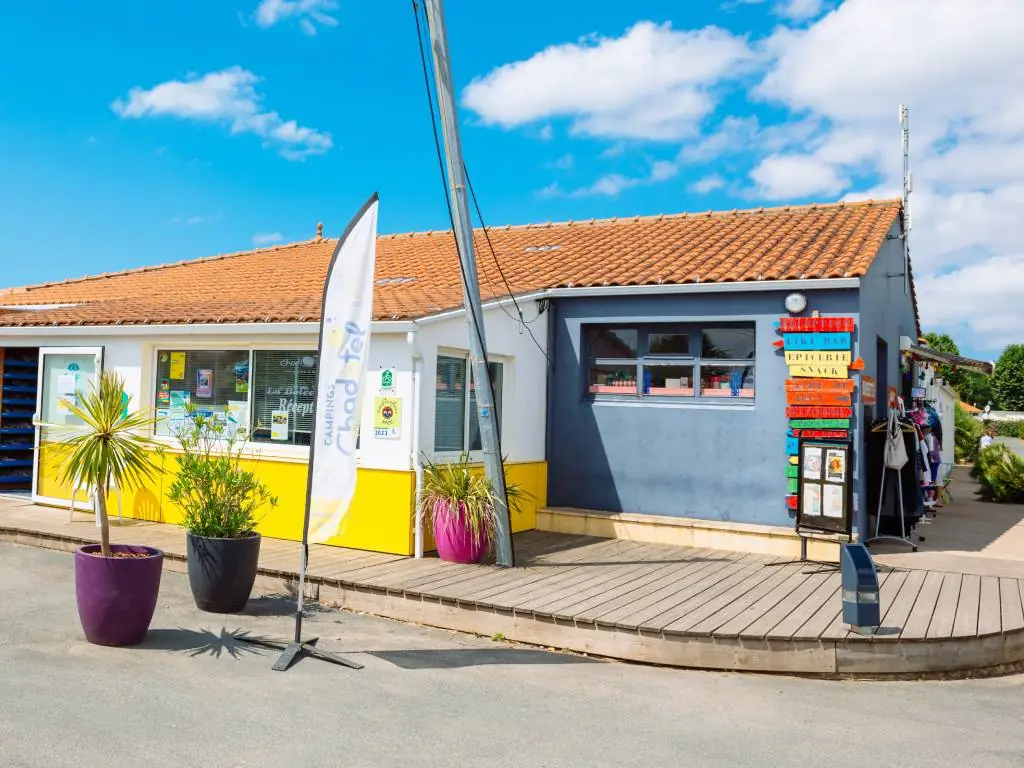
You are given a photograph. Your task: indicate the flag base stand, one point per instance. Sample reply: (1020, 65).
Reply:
(292, 652)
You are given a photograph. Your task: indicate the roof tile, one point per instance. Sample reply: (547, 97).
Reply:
(418, 273)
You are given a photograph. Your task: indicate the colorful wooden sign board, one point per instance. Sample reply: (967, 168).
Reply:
(819, 390)
(801, 341)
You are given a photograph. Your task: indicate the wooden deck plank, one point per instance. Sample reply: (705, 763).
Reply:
(520, 594)
(504, 575)
(1009, 598)
(390, 572)
(838, 629)
(546, 601)
(736, 583)
(485, 589)
(888, 592)
(735, 606)
(654, 603)
(966, 622)
(790, 624)
(343, 570)
(990, 620)
(916, 626)
(823, 618)
(896, 616)
(760, 627)
(627, 591)
(945, 607)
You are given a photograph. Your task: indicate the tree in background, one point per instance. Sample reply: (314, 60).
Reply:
(1008, 379)
(943, 342)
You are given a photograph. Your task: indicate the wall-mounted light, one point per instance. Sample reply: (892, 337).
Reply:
(796, 303)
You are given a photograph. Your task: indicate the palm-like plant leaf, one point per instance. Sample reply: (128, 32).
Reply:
(107, 448)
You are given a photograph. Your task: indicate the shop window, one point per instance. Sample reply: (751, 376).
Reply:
(270, 393)
(671, 361)
(283, 396)
(214, 382)
(456, 422)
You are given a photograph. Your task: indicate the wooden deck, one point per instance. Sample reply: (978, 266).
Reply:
(642, 602)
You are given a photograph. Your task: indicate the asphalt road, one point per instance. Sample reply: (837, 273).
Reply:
(192, 697)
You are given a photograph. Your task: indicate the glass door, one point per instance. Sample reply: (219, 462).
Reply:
(65, 374)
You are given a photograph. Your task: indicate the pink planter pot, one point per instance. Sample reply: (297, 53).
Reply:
(455, 542)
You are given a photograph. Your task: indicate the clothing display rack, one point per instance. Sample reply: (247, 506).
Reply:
(906, 480)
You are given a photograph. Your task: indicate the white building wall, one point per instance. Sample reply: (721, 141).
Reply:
(524, 396)
(134, 358)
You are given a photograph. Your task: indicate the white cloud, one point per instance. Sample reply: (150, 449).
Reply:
(707, 184)
(267, 238)
(228, 97)
(663, 170)
(654, 82)
(983, 300)
(618, 149)
(564, 163)
(191, 221)
(800, 10)
(308, 13)
(780, 177)
(547, 133)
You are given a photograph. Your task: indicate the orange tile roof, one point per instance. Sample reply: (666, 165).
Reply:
(418, 274)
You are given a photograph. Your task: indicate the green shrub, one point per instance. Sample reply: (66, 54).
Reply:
(218, 498)
(1001, 474)
(968, 432)
(1007, 428)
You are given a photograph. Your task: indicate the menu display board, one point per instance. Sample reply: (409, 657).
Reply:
(825, 486)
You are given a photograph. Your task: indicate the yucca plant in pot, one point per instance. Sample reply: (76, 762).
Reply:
(116, 585)
(460, 507)
(221, 503)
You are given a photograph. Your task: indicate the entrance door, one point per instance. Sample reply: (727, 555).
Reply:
(65, 374)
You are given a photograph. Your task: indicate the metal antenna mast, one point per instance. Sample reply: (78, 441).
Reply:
(908, 187)
(471, 291)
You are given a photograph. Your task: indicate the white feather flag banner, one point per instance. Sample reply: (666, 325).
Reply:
(344, 350)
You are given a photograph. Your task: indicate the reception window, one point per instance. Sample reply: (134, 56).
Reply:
(712, 363)
(269, 393)
(456, 422)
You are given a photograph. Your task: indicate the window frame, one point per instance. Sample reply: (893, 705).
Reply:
(645, 360)
(500, 397)
(253, 449)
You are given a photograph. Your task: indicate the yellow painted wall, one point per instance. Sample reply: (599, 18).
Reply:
(380, 518)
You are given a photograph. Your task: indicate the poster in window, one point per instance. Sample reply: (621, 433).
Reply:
(812, 464)
(163, 421)
(832, 501)
(241, 371)
(237, 416)
(279, 425)
(177, 372)
(180, 398)
(387, 418)
(835, 465)
(204, 382)
(812, 500)
(163, 394)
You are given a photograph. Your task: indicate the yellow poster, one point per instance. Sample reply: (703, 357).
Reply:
(818, 358)
(177, 366)
(387, 418)
(819, 371)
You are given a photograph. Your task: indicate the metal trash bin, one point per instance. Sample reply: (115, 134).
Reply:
(861, 608)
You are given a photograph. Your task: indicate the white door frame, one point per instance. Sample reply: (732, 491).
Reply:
(97, 353)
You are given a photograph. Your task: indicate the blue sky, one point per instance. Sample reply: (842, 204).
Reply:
(137, 133)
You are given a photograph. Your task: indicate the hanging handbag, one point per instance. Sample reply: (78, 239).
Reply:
(895, 449)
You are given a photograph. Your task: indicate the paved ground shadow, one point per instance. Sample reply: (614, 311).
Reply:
(280, 604)
(201, 642)
(455, 658)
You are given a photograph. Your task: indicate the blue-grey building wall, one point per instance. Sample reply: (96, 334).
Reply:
(716, 461)
(886, 312)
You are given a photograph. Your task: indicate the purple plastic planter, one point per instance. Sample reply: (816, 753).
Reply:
(117, 595)
(456, 543)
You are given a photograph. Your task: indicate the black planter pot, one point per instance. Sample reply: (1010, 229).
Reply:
(221, 572)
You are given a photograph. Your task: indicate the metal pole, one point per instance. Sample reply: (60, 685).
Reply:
(471, 292)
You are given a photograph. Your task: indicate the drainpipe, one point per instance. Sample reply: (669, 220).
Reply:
(417, 379)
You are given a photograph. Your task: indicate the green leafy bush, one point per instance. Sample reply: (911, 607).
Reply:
(1001, 474)
(217, 496)
(1007, 428)
(967, 433)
